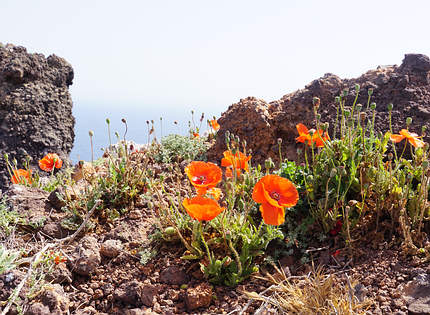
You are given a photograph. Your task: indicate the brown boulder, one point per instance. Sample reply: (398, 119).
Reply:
(35, 107)
(260, 123)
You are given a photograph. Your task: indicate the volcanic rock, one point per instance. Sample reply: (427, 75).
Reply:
(35, 107)
(261, 123)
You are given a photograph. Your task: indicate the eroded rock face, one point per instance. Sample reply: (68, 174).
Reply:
(35, 106)
(261, 123)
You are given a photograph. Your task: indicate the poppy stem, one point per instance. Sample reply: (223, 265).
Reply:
(210, 257)
(237, 258)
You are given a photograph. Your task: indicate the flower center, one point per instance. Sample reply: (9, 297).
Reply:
(199, 180)
(275, 195)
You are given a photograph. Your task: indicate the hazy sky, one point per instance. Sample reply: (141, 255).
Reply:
(211, 53)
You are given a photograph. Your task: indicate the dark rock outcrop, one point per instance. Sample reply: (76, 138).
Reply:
(35, 107)
(260, 123)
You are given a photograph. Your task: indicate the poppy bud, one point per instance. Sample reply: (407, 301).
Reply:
(269, 164)
(337, 99)
(362, 116)
(91, 133)
(169, 230)
(279, 141)
(390, 156)
(346, 113)
(425, 165)
(123, 120)
(357, 87)
(318, 116)
(326, 125)
(316, 102)
(108, 121)
(370, 91)
(345, 92)
(161, 118)
(192, 112)
(228, 235)
(373, 106)
(423, 129)
(218, 264)
(359, 107)
(333, 172)
(175, 122)
(390, 106)
(408, 121)
(117, 134)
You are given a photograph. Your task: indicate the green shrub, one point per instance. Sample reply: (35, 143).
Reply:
(177, 147)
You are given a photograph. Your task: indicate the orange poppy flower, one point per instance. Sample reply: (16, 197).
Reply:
(203, 175)
(214, 124)
(50, 161)
(274, 193)
(196, 135)
(237, 160)
(318, 137)
(21, 176)
(201, 208)
(410, 136)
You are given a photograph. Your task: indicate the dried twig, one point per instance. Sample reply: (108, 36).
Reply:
(18, 289)
(36, 258)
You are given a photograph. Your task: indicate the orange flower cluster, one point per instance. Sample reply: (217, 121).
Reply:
(204, 177)
(409, 136)
(21, 176)
(275, 193)
(235, 161)
(317, 137)
(50, 161)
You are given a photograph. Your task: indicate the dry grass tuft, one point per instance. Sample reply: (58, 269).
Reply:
(315, 293)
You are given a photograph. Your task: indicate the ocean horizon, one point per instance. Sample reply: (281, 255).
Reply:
(93, 117)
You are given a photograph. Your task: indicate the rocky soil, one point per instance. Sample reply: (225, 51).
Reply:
(111, 269)
(35, 106)
(261, 123)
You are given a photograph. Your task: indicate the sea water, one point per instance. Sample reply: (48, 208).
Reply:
(93, 117)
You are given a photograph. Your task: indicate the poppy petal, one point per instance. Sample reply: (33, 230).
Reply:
(417, 143)
(302, 129)
(202, 208)
(272, 215)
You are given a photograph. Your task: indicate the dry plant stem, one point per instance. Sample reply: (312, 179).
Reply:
(18, 289)
(36, 258)
(83, 224)
(422, 201)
